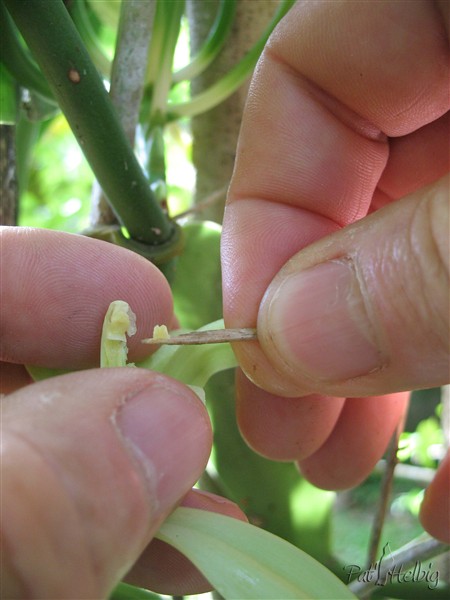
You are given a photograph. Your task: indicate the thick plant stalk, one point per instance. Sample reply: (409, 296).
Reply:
(130, 61)
(216, 131)
(59, 50)
(127, 84)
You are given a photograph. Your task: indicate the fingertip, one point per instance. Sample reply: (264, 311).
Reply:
(56, 289)
(435, 509)
(203, 500)
(358, 440)
(280, 428)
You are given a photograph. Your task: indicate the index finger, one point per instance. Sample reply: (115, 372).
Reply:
(335, 82)
(55, 290)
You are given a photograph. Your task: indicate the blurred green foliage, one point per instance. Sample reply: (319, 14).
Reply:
(58, 182)
(425, 445)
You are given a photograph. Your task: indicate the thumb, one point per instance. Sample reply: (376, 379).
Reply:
(365, 311)
(92, 462)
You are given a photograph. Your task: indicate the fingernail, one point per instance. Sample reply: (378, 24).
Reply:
(318, 322)
(168, 433)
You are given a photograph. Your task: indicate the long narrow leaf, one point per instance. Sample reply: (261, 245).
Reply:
(246, 562)
(229, 83)
(213, 43)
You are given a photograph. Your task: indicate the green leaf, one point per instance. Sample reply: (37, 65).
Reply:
(231, 81)
(107, 12)
(166, 29)
(196, 287)
(130, 592)
(243, 561)
(272, 494)
(83, 17)
(213, 44)
(41, 373)
(17, 59)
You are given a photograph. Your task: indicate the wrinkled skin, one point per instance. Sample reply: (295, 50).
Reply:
(335, 240)
(347, 114)
(93, 461)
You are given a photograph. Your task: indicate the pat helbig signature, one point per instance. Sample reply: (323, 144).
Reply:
(386, 571)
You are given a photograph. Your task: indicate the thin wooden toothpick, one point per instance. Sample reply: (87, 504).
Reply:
(213, 336)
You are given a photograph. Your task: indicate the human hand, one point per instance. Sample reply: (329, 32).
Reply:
(347, 114)
(93, 461)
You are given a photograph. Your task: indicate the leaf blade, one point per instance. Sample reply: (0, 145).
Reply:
(243, 561)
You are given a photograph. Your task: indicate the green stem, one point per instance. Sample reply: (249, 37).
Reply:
(212, 45)
(53, 39)
(221, 90)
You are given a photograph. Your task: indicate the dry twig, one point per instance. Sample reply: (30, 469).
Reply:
(213, 336)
